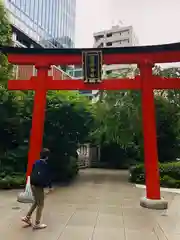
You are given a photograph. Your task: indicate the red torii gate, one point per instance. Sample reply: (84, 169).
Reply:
(145, 57)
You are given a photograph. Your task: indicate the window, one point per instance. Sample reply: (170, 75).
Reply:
(43, 12)
(108, 71)
(109, 44)
(117, 42)
(53, 19)
(124, 32)
(32, 10)
(78, 73)
(39, 12)
(101, 45)
(26, 6)
(18, 3)
(109, 35)
(50, 15)
(56, 20)
(124, 41)
(45, 21)
(97, 38)
(36, 6)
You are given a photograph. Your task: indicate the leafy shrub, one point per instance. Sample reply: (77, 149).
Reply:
(169, 174)
(72, 169)
(64, 169)
(12, 182)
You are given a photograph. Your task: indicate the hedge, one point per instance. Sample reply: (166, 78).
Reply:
(12, 181)
(169, 174)
(18, 180)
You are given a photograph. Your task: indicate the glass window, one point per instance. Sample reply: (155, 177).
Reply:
(43, 13)
(32, 9)
(53, 19)
(39, 12)
(50, 18)
(19, 13)
(36, 6)
(46, 15)
(26, 7)
(18, 3)
(56, 19)
(60, 21)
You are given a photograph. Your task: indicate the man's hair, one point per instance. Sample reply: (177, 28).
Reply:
(45, 153)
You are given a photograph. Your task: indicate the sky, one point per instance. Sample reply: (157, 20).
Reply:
(154, 21)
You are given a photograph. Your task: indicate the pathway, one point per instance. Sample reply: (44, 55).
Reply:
(99, 205)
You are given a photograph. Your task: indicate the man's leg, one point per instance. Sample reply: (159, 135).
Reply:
(27, 219)
(31, 210)
(40, 206)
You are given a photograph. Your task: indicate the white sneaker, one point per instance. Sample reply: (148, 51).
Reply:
(39, 226)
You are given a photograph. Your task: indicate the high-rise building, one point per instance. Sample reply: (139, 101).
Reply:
(34, 24)
(117, 36)
(50, 23)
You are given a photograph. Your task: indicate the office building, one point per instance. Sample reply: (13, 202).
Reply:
(41, 23)
(77, 73)
(51, 23)
(117, 36)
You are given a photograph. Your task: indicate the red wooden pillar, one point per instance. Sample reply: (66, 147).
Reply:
(37, 130)
(149, 131)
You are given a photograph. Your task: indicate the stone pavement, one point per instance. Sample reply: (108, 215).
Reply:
(100, 205)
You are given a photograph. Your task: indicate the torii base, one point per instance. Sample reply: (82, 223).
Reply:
(26, 196)
(154, 204)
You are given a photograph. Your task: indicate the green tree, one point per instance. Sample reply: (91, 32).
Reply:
(5, 40)
(119, 121)
(68, 123)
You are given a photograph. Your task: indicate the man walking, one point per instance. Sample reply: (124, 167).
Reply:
(40, 178)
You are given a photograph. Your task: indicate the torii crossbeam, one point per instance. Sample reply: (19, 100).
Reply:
(145, 57)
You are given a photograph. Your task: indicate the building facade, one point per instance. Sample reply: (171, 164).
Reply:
(50, 23)
(117, 36)
(25, 72)
(77, 73)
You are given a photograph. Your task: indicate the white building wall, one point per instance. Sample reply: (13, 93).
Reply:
(117, 36)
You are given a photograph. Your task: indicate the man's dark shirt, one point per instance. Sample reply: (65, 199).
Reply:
(41, 167)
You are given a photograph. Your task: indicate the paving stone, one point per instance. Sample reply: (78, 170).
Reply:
(101, 204)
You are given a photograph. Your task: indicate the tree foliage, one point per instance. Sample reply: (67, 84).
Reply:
(119, 121)
(5, 40)
(68, 122)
